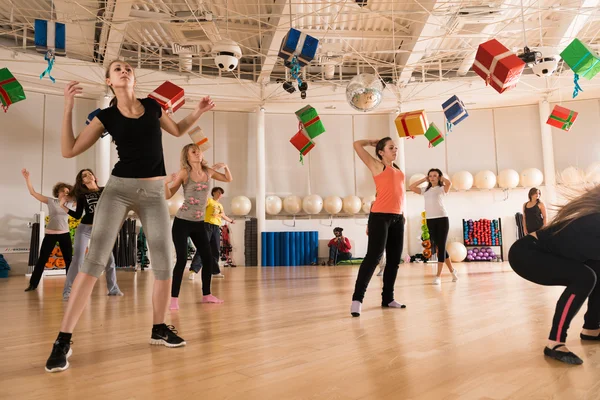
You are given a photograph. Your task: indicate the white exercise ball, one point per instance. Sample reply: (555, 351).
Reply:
(273, 205)
(457, 251)
(508, 179)
(531, 177)
(572, 176)
(240, 205)
(367, 202)
(292, 204)
(462, 180)
(312, 204)
(351, 204)
(333, 204)
(592, 173)
(175, 203)
(415, 178)
(485, 179)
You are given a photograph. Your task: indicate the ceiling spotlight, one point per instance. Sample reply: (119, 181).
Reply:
(303, 95)
(289, 87)
(361, 3)
(303, 87)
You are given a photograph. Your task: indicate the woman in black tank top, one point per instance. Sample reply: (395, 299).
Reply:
(534, 212)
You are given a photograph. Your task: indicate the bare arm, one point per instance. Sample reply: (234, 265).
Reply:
(447, 184)
(69, 145)
(226, 177)
(32, 191)
(226, 218)
(415, 186)
(543, 210)
(178, 129)
(374, 165)
(176, 180)
(524, 223)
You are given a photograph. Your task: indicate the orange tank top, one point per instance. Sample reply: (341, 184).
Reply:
(390, 191)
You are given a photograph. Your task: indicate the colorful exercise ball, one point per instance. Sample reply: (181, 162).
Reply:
(367, 202)
(175, 203)
(273, 205)
(312, 204)
(485, 179)
(333, 204)
(292, 204)
(351, 204)
(508, 179)
(364, 92)
(457, 251)
(462, 180)
(531, 177)
(240, 205)
(417, 177)
(571, 176)
(592, 173)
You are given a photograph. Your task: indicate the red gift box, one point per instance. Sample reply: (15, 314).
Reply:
(169, 96)
(498, 66)
(302, 143)
(562, 118)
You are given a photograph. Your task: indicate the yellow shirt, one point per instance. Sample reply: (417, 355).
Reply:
(214, 209)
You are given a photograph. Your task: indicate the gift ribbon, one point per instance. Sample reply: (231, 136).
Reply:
(435, 139)
(567, 122)
(576, 88)
(449, 126)
(167, 102)
(202, 141)
(295, 70)
(49, 56)
(403, 121)
(4, 94)
(490, 72)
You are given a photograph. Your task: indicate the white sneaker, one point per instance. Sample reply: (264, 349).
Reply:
(218, 276)
(454, 276)
(355, 308)
(192, 275)
(437, 280)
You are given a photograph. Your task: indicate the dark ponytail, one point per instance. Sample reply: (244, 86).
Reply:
(380, 146)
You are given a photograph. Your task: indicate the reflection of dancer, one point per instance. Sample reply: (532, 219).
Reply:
(386, 222)
(438, 223)
(566, 253)
(57, 229)
(195, 178)
(87, 193)
(136, 184)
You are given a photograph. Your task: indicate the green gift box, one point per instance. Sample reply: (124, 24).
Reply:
(11, 90)
(434, 135)
(582, 60)
(310, 122)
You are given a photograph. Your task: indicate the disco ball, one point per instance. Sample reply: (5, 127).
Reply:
(364, 92)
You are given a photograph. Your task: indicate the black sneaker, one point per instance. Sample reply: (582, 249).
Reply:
(58, 360)
(166, 335)
(30, 288)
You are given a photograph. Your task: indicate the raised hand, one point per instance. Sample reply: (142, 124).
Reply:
(219, 166)
(25, 173)
(70, 91)
(206, 104)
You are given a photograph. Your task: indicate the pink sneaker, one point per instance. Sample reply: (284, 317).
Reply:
(211, 299)
(174, 303)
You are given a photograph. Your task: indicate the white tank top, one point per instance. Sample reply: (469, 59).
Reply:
(434, 204)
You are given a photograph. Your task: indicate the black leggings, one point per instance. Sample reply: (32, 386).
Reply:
(438, 231)
(214, 237)
(537, 265)
(386, 232)
(195, 230)
(50, 239)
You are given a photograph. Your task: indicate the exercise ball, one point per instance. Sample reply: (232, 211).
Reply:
(240, 205)
(531, 177)
(333, 204)
(508, 179)
(457, 251)
(417, 177)
(292, 204)
(366, 204)
(175, 203)
(485, 179)
(462, 180)
(312, 204)
(273, 205)
(571, 176)
(351, 204)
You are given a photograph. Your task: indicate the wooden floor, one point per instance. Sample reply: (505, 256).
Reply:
(286, 333)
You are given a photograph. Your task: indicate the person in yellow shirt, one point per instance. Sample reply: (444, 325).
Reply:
(212, 220)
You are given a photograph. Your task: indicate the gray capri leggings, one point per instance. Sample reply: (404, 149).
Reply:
(147, 199)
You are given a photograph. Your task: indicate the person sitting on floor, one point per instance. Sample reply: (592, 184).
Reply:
(339, 248)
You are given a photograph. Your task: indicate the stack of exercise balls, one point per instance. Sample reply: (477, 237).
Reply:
(241, 205)
(481, 254)
(425, 237)
(483, 232)
(273, 205)
(333, 204)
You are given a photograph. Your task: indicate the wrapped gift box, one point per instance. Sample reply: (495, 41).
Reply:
(303, 46)
(11, 90)
(411, 123)
(310, 122)
(302, 143)
(454, 110)
(434, 135)
(562, 118)
(50, 35)
(582, 60)
(498, 66)
(169, 96)
(199, 138)
(91, 116)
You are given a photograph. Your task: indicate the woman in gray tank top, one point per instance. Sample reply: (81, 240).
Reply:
(57, 229)
(195, 178)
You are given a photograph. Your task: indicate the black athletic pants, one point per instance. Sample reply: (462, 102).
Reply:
(438, 231)
(50, 239)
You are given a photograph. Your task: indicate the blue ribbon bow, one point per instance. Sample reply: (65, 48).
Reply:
(449, 126)
(295, 69)
(49, 57)
(577, 88)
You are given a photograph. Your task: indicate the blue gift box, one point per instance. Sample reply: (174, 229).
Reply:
(91, 116)
(50, 35)
(454, 110)
(303, 46)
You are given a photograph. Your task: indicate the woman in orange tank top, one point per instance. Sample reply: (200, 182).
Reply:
(386, 222)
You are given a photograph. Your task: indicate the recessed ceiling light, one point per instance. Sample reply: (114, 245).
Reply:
(330, 107)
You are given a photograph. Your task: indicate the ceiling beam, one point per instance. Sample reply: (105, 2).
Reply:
(271, 41)
(567, 29)
(115, 32)
(79, 34)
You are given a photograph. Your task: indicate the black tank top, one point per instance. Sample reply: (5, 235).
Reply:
(533, 218)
